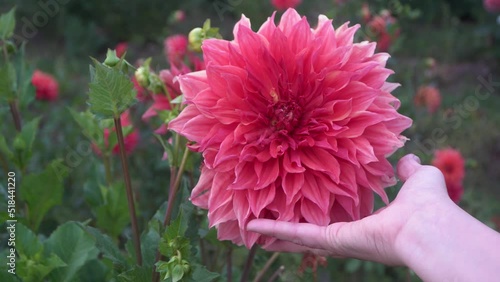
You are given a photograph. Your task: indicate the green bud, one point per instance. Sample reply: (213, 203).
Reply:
(142, 76)
(196, 37)
(19, 144)
(111, 58)
(155, 83)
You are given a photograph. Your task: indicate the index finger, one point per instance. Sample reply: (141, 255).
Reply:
(304, 234)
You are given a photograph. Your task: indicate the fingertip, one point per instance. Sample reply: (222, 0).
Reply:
(407, 166)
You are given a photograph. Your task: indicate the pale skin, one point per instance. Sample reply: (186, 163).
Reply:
(422, 229)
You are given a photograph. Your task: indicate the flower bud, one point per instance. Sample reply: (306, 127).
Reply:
(111, 58)
(195, 39)
(142, 77)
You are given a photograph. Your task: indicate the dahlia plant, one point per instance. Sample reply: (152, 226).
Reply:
(294, 124)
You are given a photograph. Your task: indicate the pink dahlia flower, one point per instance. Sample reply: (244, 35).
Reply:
(452, 165)
(46, 86)
(176, 47)
(294, 124)
(285, 4)
(121, 48)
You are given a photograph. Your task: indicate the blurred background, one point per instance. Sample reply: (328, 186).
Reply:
(445, 54)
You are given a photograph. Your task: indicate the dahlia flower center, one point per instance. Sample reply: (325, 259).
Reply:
(285, 115)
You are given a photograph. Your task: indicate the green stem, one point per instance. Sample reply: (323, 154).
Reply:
(107, 168)
(277, 273)
(4, 163)
(229, 264)
(268, 264)
(14, 110)
(248, 264)
(174, 188)
(128, 187)
(174, 185)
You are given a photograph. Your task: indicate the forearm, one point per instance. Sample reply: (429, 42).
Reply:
(450, 245)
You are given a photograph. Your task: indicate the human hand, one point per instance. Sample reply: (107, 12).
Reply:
(377, 237)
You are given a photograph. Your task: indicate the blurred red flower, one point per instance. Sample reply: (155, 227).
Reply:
(492, 6)
(429, 97)
(121, 48)
(452, 165)
(285, 4)
(176, 47)
(294, 124)
(383, 29)
(46, 86)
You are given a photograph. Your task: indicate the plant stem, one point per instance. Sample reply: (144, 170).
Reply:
(277, 273)
(128, 187)
(268, 264)
(107, 168)
(4, 163)
(174, 185)
(248, 264)
(174, 188)
(15, 115)
(229, 264)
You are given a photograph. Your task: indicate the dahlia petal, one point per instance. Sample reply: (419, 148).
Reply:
(200, 193)
(215, 51)
(193, 83)
(267, 29)
(288, 20)
(267, 172)
(314, 191)
(243, 22)
(291, 162)
(260, 199)
(313, 214)
(292, 183)
(320, 160)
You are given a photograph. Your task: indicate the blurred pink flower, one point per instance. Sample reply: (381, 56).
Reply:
(285, 4)
(452, 165)
(492, 6)
(382, 29)
(121, 48)
(179, 16)
(294, 124)
(429, 97)
(176, 47)
(46, 86)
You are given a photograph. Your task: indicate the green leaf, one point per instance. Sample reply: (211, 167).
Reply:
(90, 126)
(106, 246)
(177, 273)
(201, 274)
(110, 92)
(41, 192)
(27, 243)
(23, 144)
(38, 267)
(74, 246)
(7, 24)
(149, 246)
(94, 270)
(177, 227)
(113, 215)
(4, 148)
(8, 82)
(24, 73)
(136, 274)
